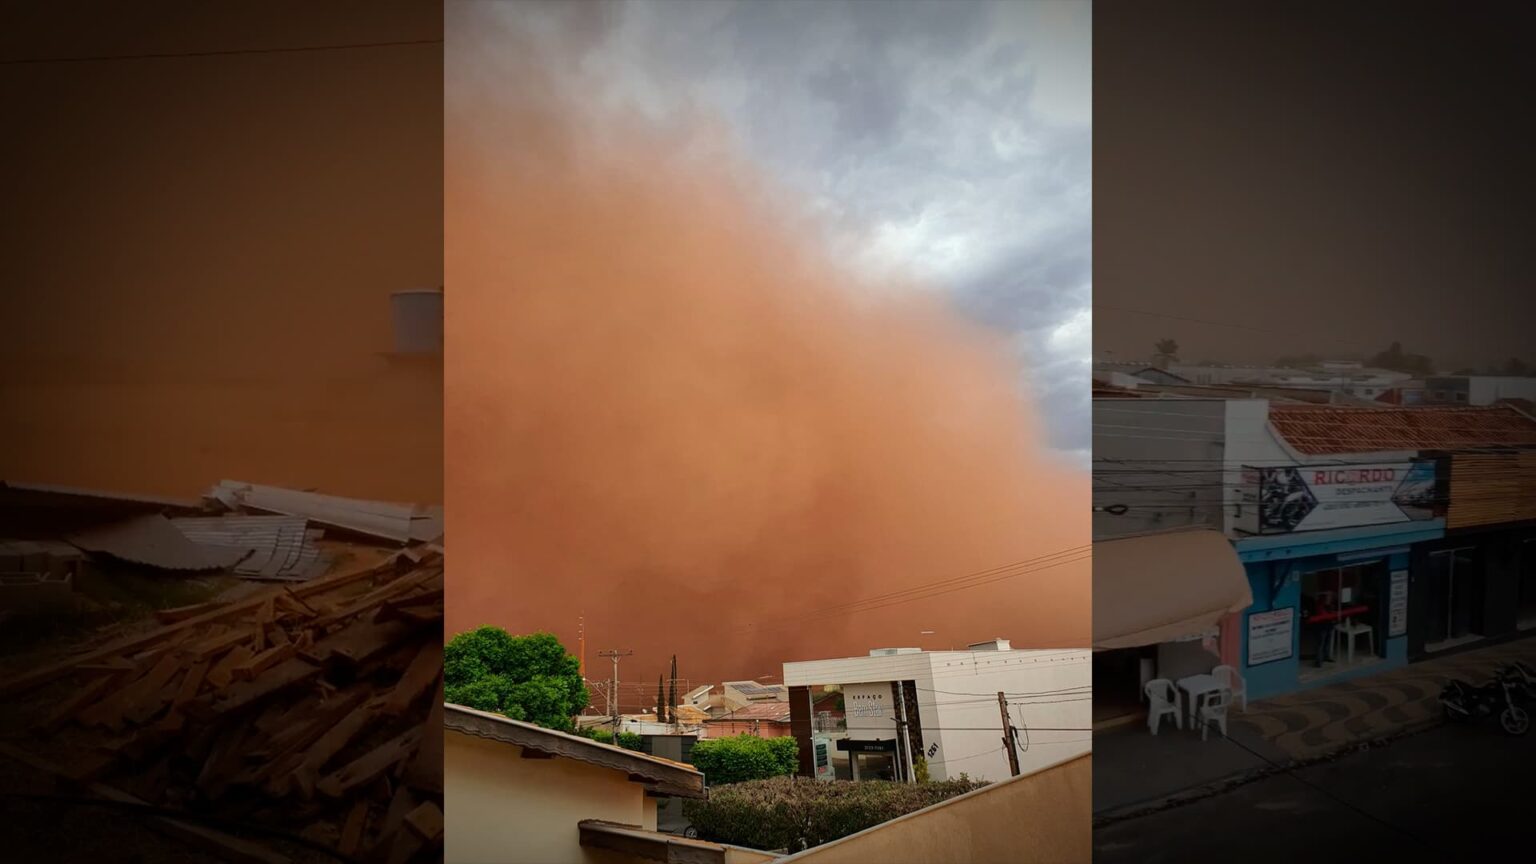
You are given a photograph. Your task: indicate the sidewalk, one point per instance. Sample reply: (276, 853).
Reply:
(1134, 769)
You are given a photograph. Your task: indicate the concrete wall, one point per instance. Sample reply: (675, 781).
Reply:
(1045, 817)
(502, 808)
(959, 711)
(200, 287)
(1160, 457)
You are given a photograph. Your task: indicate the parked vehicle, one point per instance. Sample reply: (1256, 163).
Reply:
(1464, 702)
(1524, 677)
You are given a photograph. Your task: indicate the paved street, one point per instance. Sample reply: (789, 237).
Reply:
(1453, 789)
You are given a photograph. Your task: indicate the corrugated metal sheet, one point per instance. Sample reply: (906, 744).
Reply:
(101, 495)
(1319, 430)
(400, 523)
(154, 542)
(280, 545)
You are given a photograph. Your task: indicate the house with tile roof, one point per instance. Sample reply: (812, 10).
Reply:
(1369, 536)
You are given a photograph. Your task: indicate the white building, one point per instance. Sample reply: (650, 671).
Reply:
(947, 704)
(1477, 389)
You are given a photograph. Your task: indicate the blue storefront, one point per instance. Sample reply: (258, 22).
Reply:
(1344, 589)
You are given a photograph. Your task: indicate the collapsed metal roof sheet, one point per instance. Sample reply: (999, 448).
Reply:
(401, 523)
(101, 495)
(280, 546)
(154, 542)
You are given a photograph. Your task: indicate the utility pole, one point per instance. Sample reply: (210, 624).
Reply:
(1008, 734)
(904, 743)
(614, 702)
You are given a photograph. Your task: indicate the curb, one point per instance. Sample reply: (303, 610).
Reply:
(1191, 794)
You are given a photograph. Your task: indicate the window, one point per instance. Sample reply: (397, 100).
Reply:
(1454, 606)
(1336, 601)
(1460, 396)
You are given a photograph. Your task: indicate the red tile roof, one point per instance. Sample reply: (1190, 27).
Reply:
(1321, 429)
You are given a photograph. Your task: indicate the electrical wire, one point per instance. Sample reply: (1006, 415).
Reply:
(25, 61)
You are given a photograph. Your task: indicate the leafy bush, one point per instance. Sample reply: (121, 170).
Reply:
(796, 813)
(627, 740)
(920, 770)
(745, 757)
(529, 678)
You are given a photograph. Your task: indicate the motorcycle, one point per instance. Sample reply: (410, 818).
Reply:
(1524, 678)
(1464, 702)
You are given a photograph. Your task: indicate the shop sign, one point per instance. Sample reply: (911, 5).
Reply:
(1314, 498)
(1397, 604)
(1270, 635)
(849, 745)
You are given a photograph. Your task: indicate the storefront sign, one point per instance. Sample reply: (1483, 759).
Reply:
(1269, 635)
(1303, 498)
(849, 745)
(870, 710)
(1397, 604)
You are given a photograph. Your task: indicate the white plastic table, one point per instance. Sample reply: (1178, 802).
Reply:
(1196, 686)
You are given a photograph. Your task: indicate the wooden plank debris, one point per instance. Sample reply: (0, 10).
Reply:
(303, 707)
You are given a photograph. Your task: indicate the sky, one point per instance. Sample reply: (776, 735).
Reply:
(948, 143)
(742, 306)
(1323, 181)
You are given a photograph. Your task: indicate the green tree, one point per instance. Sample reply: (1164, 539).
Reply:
(1398, 360)
(529, 678)
(627, 740)
(745, 757)
(1165, 351)
(920, 769)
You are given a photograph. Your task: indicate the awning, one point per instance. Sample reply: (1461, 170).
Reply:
(1163, 587)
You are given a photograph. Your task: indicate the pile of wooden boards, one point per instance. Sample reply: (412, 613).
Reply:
(315, 710)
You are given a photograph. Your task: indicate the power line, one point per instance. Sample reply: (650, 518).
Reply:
(168, 55)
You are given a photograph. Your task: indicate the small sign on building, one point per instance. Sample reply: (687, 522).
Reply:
(1397, 604)
(1270, 635)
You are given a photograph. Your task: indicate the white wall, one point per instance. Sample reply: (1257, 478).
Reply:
(961, 712)
(957, 703)
(499, 807)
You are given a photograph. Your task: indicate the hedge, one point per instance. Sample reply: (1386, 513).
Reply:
(745, 757)
(796, 813)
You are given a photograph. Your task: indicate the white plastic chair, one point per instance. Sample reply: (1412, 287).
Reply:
(1163, 699)
(1234, 683)
(1213, 709)
(1349, 631)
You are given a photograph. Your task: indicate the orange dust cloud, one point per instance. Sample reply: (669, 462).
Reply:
(667, 410)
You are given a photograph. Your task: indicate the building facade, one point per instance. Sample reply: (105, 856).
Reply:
(905, 705)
